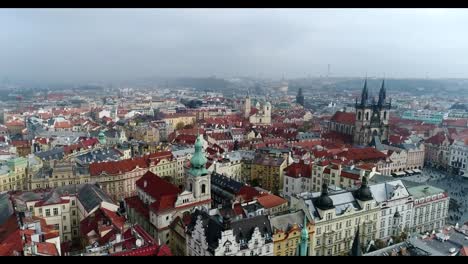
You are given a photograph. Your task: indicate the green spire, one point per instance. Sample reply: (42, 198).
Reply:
(102, 137)
(198, 161)
(304, 239)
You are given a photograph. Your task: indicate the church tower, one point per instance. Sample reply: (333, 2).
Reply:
(198, 177)
(371, 117)
(300, 97)
(247, 106)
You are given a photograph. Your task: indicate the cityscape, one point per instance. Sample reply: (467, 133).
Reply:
(208, 138)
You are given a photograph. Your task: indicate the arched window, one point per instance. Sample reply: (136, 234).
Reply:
(385, 115)
(191, 187)
(367, 116)
(203, 188)
(359, 116)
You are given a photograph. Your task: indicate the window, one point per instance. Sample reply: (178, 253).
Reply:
(64, 217)
(47, 212)
(55, 211)
(64, 228)
(73, 202)
(203, 188)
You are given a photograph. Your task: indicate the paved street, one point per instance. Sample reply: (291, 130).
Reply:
(457, 188)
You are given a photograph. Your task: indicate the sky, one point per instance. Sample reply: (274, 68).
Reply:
(82, 45)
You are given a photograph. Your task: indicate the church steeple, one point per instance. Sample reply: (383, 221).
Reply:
(382, 94)
(198, 161)
(304, 244)
(356, 247)
(365, 94)
(300, 97)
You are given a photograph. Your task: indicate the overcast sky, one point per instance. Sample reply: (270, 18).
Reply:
(115, 44)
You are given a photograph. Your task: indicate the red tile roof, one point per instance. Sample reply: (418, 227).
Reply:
(10, 238)
(117, 221)
(46, 248)
(247, 193)
(438, 139)
(363, 154)
(344, 118)
(20, 143)
(349, 175)
(270, 201)
(138, 205)
(116, 167)
(397, 139)
(300, 169)
(155, 186)
(464, 251)
(62, 124)
(185, 139)
(153, 250)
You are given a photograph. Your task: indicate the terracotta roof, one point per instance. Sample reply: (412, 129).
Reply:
(397, 139)
(437, 139)
(15, 123)
(247, 193)
(300, 169)
(363, 154)
(153, 250)
(464, 251)
(10, 237)
(185, 139)
(155, 186)
(221, 136)
(46, 248)
(344, 118)
(349, 175)
(20, 143)
(116, 167)
(62, 124)
(270, 201)
(138, 205)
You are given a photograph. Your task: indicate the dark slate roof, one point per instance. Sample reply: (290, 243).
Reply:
(106, 154)
(225, 183)
(6, 208)
(91, 196)
(252, 207)
(213, 227)
(244, 228)
(55, 153)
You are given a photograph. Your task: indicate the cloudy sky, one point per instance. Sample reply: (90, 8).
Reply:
(115, 44)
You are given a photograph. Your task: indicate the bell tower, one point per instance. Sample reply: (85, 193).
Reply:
(198, 177)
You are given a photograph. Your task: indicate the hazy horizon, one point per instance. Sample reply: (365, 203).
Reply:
(82, 45)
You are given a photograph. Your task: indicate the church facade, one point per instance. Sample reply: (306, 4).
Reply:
(370, 119)
(262, 114)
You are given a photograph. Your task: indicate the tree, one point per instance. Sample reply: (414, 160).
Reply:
(254, 183)
(180, 126)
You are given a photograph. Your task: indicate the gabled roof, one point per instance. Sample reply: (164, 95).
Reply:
(46, 248)
(299, 169)
(344, 118)
(155, 186)
(116, 167)
(91, 196)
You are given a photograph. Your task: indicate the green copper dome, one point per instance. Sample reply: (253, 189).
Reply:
(102, 137)
(198, 161)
